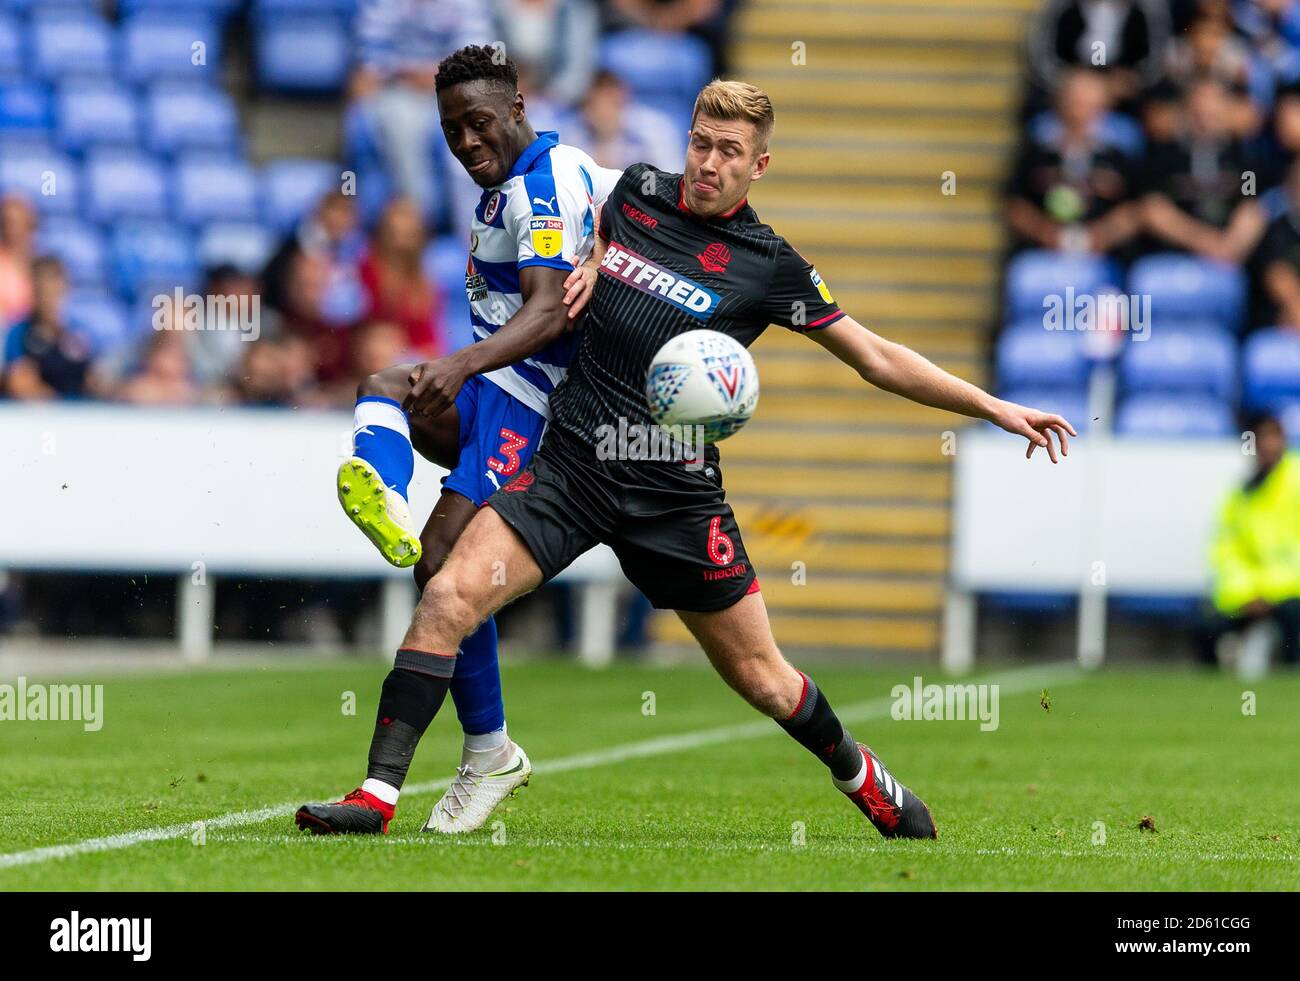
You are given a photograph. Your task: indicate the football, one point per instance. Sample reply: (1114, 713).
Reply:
(703, 378)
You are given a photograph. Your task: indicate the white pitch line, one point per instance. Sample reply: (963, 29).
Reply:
(1011, 682)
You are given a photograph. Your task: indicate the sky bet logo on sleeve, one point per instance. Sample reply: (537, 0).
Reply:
(548, 235)
(663, 284)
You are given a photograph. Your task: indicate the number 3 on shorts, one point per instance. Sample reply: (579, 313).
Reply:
(511, 444)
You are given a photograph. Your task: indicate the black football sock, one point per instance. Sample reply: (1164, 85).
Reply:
(412, 694)
(815, 726)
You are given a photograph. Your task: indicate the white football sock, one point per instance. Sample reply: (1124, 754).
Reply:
(487, 751)
(385, 792)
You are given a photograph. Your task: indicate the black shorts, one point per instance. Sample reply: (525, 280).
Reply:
(670, 526)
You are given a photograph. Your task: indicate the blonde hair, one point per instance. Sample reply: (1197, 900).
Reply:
(731, 100)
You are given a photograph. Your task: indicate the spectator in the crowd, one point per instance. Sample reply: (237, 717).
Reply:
(302, 315)
(214, 352)
(164, 377)
(1125, 37)
(1209, 49)
(619, 132)
(392, 276)
(399, 45)
(706, 19)
(1256, 552)
(1279, 257)
(17, 249)
(1195, 188)
(1073, 189)
(274, 373)
(376, 345)
(1162, 112)
(555, 41)
(43, 359)
(331, 233)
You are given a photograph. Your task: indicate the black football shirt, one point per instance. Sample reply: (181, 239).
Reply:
(667, 271)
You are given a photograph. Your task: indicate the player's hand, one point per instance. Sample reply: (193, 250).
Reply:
(578, 288)
(1035, 426)
(434, 386)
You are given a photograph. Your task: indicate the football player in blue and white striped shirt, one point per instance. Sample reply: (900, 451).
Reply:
(480, 412)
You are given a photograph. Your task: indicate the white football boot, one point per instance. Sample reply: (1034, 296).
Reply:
(473, 796)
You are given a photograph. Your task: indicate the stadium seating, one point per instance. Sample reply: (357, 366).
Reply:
(166, 45)
(302, 53)
(663, 70)
(209, 188)
(79, 245)
(291, 186)
(69, 40)
(98, 318)
(1185, 287)
(49, 179)
(11, 48)
(181, 117)
(1028, 355)
(124, 184)
(1195, 359)
(1036, 274)
(1174, 416)
(98, 112)
(246, 246)
(1271, 368)
(25, 109)
(151, 254)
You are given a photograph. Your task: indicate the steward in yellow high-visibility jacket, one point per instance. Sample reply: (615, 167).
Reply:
(1256, 551)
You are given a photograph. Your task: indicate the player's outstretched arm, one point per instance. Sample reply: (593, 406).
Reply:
(900, 370)
(541, 319)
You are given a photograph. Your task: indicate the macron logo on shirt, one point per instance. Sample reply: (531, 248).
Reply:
(639, 272)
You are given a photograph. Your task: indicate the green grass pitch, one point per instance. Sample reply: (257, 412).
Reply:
(701, 794)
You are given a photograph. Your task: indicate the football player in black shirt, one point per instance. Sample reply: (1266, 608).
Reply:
(680, 252)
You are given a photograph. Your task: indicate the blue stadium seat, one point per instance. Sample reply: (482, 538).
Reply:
(444, 265)
(1177, 609)
(1028, 354)
(1289, 412)
(95, 112)
(98, 318)
(25, 108)
(159, 45)
(1067, 402)
(216, 8)
(208, 188)
(291, 187)
(307, 53)
(79, 245)
(346, 8)
(51, 180)
(124, 184)
(183, 117)
(1035, 605)
(664, 70)
(1186, 287)
(1185, 416)
(244, 245)
(68, 41)
(1199, 359)
(12, 61)
(152, 255)
(1037, 274)
(1270, 372)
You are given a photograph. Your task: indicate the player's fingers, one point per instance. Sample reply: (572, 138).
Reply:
(1065, 443)
(1051, 447)
(1063, 423)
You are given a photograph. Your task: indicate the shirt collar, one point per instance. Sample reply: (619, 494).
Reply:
(545, 140)
(683, 206)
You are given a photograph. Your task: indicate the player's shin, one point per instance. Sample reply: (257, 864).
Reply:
(412, 694)
(381, 435)
(476, 692)
(814, 725)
